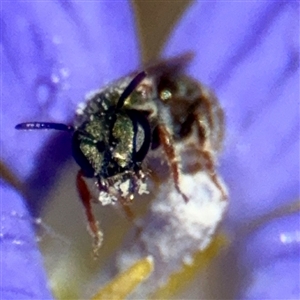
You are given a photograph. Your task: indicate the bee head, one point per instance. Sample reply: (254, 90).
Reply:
(110, 143)
(114, 141)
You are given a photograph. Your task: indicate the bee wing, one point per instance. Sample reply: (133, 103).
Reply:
(171, 66)
(160, 69)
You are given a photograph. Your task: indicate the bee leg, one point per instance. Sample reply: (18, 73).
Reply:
(167, 143)
(93, 226)
(125, 204)
(209, 163)
(130, 216)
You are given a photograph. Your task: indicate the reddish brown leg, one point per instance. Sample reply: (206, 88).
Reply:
(127, 210)
(209, 165)
(130, 216)
(209, 160)
(93, 225)
(167, 143)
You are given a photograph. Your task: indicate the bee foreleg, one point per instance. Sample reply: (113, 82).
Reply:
(167, 143)
(208, 158)
(93, 225)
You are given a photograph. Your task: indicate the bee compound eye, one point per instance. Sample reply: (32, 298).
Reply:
(142, 135)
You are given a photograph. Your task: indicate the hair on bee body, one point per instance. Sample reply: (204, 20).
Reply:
(122, 124)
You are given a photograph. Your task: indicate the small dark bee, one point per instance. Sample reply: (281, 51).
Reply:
(123, 123)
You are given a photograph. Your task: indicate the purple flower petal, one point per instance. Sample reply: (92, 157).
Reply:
(270, 255)
(53, 54)
(258, 89)
(249, 53)
(22, 275)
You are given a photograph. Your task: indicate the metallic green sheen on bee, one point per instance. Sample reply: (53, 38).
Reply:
(119, 126)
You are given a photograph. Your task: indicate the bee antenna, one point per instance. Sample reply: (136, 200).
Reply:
(130, 88)
(44, 125)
